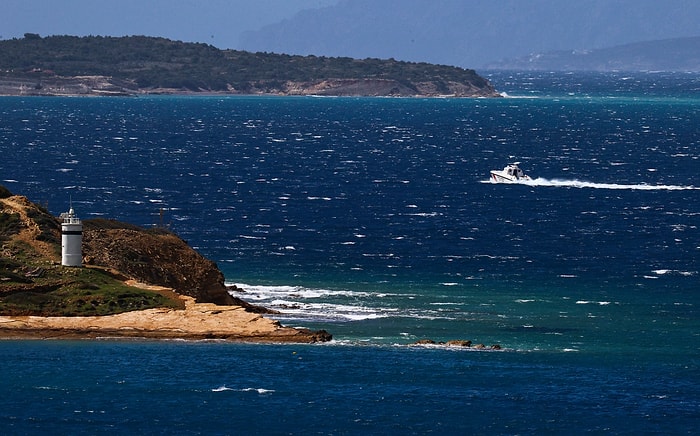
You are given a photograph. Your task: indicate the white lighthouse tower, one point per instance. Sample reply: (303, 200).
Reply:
(71, 239)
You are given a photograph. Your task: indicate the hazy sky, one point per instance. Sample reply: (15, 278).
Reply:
(216, 22)
(467, 33)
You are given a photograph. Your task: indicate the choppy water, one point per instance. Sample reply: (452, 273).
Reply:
(375, 219)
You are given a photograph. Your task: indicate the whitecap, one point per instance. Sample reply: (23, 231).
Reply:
(423, 214)
(221, 389)
(357, 317)
(224, 388)
(258, 390)
(600, 303)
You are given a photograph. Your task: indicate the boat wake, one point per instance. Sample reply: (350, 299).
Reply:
(581, 184)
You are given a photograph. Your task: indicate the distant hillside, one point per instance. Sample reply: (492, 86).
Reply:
(130, 65)
(473, 33)
(679, 54)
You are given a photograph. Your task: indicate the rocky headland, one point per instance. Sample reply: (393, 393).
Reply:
(195, 321)
(135, 282)
(139, 65)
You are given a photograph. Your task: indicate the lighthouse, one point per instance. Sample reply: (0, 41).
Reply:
(71, 239)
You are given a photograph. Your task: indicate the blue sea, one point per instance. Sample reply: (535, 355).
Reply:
(374, 218)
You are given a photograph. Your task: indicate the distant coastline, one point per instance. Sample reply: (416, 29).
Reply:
(102, 86)
(138, 65)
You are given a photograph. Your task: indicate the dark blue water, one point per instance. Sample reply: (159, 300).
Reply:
(375, 219)
(205, 388)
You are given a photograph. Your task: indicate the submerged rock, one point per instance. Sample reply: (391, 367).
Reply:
(458, 343)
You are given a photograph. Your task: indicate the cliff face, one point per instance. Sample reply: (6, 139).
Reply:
(374, 87)
(156, 257)
(360, 87)
(51, 85)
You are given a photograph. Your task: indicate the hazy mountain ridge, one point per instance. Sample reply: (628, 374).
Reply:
(678, 54)
(473, 33)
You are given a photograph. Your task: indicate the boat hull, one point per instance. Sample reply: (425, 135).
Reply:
(498, 177)
(510, 174)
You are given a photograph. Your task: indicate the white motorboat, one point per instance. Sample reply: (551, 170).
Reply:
(510, 174)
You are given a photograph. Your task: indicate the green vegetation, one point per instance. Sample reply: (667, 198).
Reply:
(10, 224)
(92, 292)
(111, 224)
(161, 63)
(32, 283)
(50, 228)
(64, 291)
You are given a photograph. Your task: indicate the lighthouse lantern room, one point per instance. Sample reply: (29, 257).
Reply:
(71, 239)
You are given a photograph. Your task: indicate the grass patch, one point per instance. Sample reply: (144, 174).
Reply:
(90, 292)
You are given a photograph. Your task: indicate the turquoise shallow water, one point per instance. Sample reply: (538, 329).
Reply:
(374, 219)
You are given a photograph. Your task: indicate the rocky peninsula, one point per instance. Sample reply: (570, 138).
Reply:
(135, 282)
(139, 65)
(196, 321)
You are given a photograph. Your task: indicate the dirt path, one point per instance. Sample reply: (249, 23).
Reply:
(30, 229)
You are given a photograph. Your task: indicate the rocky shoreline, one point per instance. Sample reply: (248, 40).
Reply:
(197, 304)
(103, 86)
(64, 65)
(135, 283)
(198, 321)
